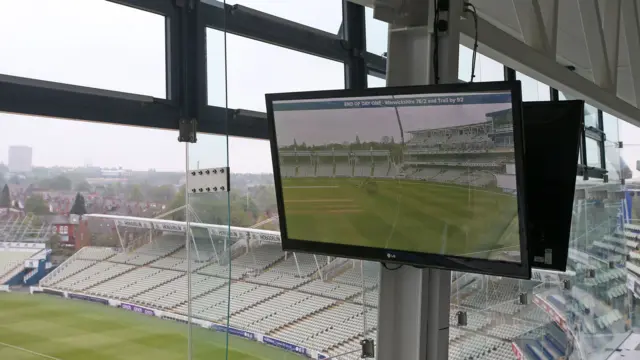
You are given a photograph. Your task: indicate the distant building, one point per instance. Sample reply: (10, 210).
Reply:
(115, 173)
(64, 226)
(20, 159)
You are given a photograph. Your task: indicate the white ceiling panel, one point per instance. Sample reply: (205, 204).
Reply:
(502, 16)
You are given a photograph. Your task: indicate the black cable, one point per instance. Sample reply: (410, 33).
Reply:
(389, 268)
(434, 60)
(470, 8)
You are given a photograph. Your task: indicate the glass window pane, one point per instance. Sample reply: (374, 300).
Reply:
(593, 153)
(315, 303)
(533, 90)
(611, 127)
(255, 68)
(497, 323)
(374, 81)
(629, 133)
(205, 255)
(118, 274)
(324, 15)
(377, 33)
(561, 96)
(590, 318)
(464, 63)
(630, 137)
(590, 112)
(90, 43)
(615, 164)
(597, 256)
(590, 116)
(486, 69)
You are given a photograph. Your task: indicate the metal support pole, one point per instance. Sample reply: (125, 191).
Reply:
(355, 36)
(600, 124)
(414, 303)
(295, 259)
(192, 66)
(193, 241)
(213, 245)
(119, 237)
(318, 266)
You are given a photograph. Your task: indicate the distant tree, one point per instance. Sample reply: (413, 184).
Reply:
(58, 183)
(240, 217)
(55, 242)
(247, 205)
(162, 194)
(136, 194)
(79, 207)
(5, 197)
(357, 140)
(37, 205)
(264, 197)
(385, 140)
(393, 141)
(295, 144)
(14, 180)
(57, 248)
(83, 186)
(178, 201)
(36, 222)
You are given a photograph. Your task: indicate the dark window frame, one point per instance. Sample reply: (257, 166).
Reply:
(186, 94)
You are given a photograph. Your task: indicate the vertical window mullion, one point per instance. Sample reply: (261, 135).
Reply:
(354, 33)
(509, 74)
(603, 161)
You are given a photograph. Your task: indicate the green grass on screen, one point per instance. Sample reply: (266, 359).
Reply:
(401, 214)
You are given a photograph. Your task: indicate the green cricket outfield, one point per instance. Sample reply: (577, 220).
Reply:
(40, 327)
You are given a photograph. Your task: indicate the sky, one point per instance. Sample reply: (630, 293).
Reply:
(100, 44)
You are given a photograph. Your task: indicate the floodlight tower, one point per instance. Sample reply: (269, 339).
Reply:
(414, 303)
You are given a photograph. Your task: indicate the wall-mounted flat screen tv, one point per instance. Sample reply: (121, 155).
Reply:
(430, 176)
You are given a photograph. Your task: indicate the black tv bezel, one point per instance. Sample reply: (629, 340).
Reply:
(521, 270)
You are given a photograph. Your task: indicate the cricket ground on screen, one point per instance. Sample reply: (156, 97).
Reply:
(429, 175)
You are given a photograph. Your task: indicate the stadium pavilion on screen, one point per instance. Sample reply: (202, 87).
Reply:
(431, 173)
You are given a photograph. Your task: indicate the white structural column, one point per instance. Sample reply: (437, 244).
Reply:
(630, 13)
(413, 318)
